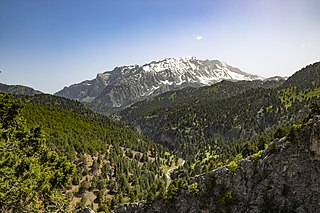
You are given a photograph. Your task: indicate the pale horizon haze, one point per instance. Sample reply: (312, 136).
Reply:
(48, 45)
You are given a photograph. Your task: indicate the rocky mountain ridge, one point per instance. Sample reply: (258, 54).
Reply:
(127, 84)
(18, 90)
(281, 178)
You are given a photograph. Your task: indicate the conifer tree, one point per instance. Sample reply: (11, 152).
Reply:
(32, 177)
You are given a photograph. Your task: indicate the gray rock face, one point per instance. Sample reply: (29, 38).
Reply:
(131, 207)
(125, 85)
(285, 178)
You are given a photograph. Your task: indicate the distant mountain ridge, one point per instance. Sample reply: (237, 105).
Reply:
(18, 90)
(128, 84)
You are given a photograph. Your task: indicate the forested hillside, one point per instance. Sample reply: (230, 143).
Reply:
(114, 163)
(191, 95)
(281, 178)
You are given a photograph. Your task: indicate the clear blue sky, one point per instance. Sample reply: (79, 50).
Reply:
(49, 44)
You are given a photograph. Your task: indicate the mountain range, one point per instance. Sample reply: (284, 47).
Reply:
(125, 85)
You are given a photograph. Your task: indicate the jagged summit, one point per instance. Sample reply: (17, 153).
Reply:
(125, 85)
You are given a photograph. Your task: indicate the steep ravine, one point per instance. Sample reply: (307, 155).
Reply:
(284, 178)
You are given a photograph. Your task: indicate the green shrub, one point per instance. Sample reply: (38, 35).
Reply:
(225, 199)
(280, 132)
(232, 166)
(194, 188)
(293, 134)
(256, 156)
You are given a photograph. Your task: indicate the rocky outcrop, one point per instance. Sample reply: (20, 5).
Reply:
(131, 207)
(283, 178)
(128, 84)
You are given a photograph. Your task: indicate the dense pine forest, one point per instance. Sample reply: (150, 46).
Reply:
(113, 163)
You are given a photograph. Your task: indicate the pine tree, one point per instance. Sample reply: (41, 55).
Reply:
(32, 177)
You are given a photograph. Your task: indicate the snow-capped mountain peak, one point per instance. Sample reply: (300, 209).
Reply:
(127, 84)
